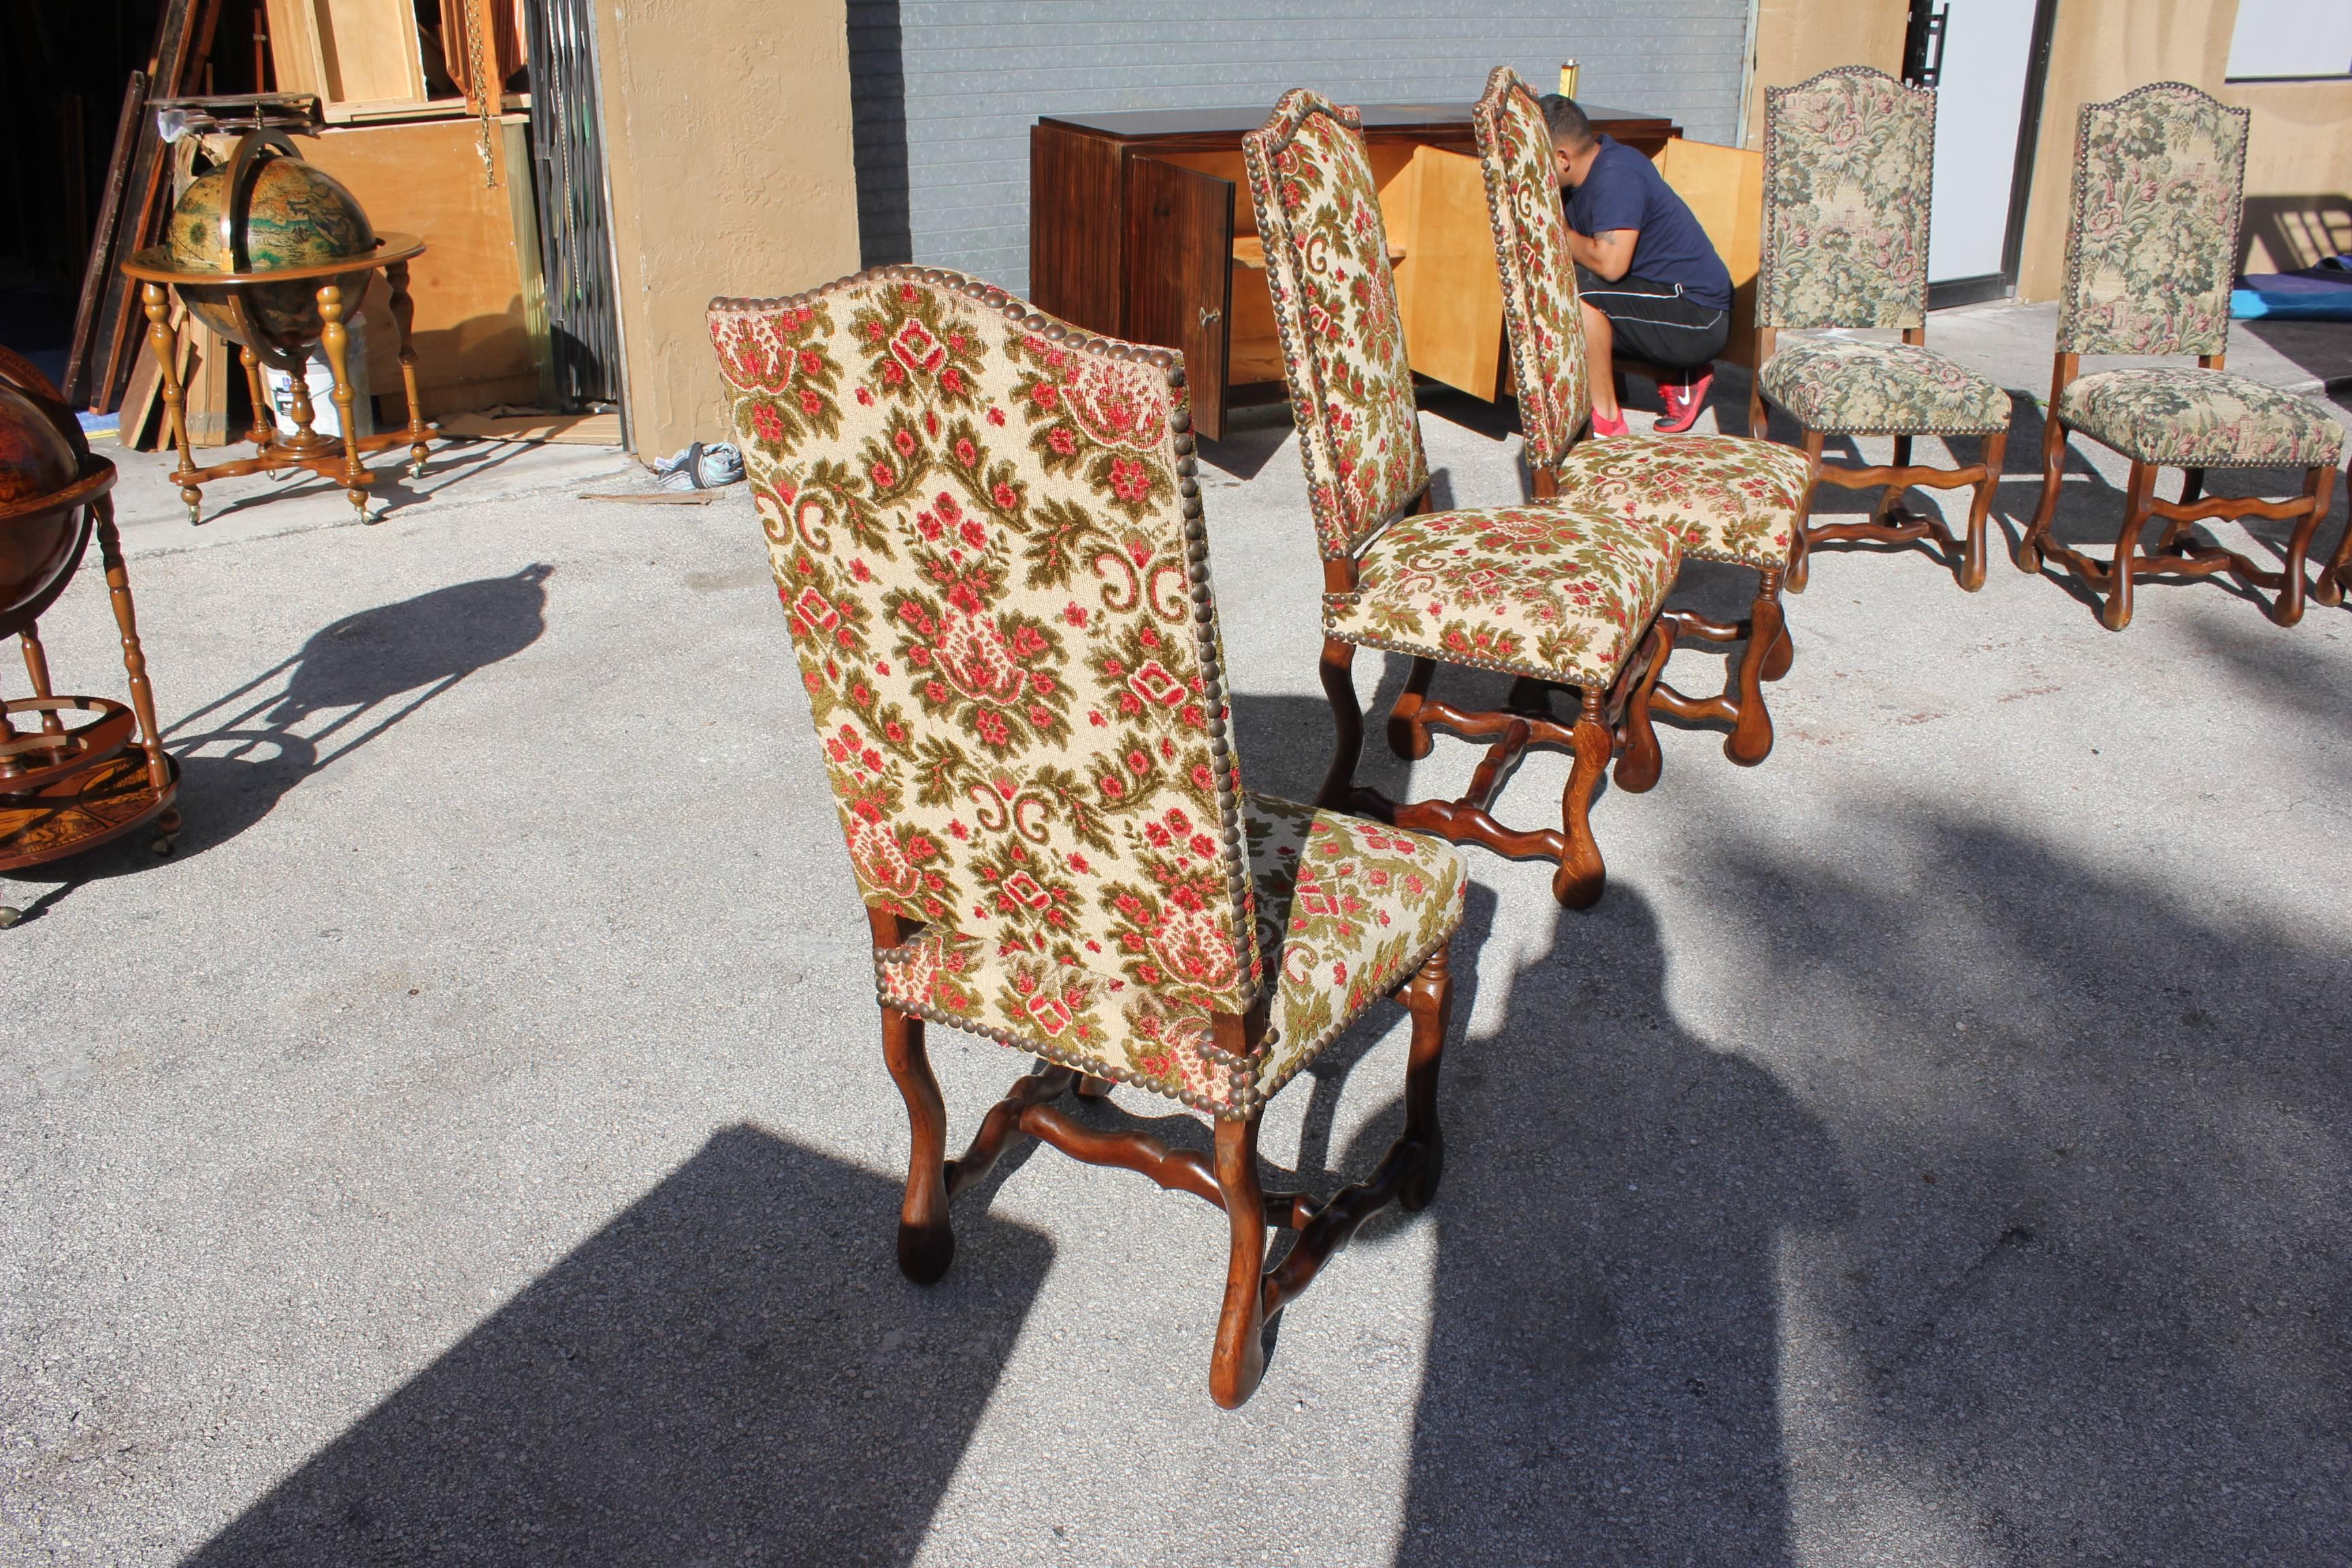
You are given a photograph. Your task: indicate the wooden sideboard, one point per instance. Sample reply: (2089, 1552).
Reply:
(1137, 231)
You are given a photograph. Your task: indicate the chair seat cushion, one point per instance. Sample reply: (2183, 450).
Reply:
(1843, 386)
(1725, 496)
(1346, 910)
(2198, 418)
(1555, 590)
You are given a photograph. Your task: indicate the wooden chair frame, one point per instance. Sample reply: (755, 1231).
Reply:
(2335, 585)
(2114, 577)
(1254, 1293)
(1890, 521)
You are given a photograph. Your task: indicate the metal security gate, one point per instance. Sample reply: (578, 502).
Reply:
(575, 228)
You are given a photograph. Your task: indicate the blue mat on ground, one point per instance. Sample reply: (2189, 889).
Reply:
(2321, 293)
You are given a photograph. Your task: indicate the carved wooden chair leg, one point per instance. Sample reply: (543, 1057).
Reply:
(1759, 423)
(2028, 555)
(1800, 558)
(1750, 741)
(1429, 998)
(1583, 876)
(1239, 1360)
(1641, 762)
(1890, 499)
(2335, 576)
(2317, 487)
(926, 1240)
(1092, 1090)
(1408, 736)
(1346, 722)
(2138, 491)
(1972, 562)
(2192, 485)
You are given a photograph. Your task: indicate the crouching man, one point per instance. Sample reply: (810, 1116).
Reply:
(1653, 288)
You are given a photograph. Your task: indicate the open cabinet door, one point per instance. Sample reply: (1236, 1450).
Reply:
(1179, 281)
(1449, 286)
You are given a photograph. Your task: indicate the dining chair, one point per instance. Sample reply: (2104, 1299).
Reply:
(2151, 252)
(987, 537)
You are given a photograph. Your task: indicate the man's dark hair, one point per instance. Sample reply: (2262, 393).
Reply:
(1570, 127)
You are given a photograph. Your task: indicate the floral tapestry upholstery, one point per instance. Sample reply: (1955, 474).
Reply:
(1346, 910)
(1557, 590)
(2200, 419)
(1334, 306)
(998, 591)
(1539, 307)
(1723, 497)
(1848, 164)
(1844, 386)
(2152, 247)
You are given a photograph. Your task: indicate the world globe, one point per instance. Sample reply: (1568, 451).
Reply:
(293, 215)
(39, 547)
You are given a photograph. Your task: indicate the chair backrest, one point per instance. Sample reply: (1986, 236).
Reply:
(2152, 243)
(986, 534)
(1538, 273)
(1334, 306)
(1849, 161)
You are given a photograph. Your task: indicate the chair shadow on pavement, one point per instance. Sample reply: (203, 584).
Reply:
(732, 1371)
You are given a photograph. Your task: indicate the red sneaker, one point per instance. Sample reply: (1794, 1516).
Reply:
(1684, 402)
(1603, 425)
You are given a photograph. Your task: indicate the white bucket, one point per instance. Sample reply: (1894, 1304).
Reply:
(325, 417)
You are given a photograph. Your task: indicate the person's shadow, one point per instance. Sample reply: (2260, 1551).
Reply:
(1602, 1376)
(730, 1371)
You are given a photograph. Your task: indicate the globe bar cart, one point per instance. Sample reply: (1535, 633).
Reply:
(274, 255)
(75, 771)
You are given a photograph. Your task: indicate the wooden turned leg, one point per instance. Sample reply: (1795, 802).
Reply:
(36, 670)
(1972, 549)
(1782, 654)
(1890, 499)
(1582, 877)
(1347, 720)
(164, 343)
(1750, 741)
(1239, 1361)
(2192, 485)
(926, 1241)
(334, 341)
(1091, 1089)
(263, 428)
(2028, 555)
(2336, 577)
(134, 657)
(1429, 998)
(404, 318)
(2318, 486)
(1408, 736)
(2138, 491)
(1759, 423)
(1801, 546)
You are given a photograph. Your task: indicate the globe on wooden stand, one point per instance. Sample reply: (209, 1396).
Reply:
(75, 771)
(274, 255)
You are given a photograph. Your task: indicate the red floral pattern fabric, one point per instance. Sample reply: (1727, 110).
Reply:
(1005, 630)
(1725, 497)
(1559, 591)
(1327, 265)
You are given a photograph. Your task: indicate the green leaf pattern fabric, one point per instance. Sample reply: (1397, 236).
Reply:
(1539, 306)
(1725, 498)
(1852, 386)
(2159, 175)
(2197, 418)
(1849, 158)
(1554, 590)
(1326, 263)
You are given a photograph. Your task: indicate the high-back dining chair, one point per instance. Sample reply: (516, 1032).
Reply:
(2151, 249)
(1554, 593)
(987, 537)
(1849, 160)
(1726, 497)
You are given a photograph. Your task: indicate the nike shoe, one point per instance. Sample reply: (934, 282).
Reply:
(1684, 402)
(1603, 425)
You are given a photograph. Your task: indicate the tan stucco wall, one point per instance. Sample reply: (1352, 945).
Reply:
(1800, 38)
(2298, 158)
(727, 138)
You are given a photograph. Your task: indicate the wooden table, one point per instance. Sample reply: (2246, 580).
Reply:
(1135, 231)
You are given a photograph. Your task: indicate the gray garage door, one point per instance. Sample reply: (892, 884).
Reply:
(945, 90)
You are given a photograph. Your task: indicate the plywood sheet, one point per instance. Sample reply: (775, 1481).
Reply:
(371, 49)
(474, 345)
(1724, 187)
(1448, 285)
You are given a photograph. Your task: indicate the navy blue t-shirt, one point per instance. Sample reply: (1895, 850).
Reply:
(1624, 190)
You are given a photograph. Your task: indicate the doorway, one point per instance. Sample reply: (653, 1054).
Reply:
(1988, 62)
